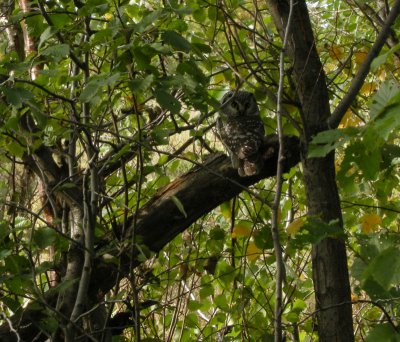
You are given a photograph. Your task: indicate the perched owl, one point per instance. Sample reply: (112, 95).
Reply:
(241, 131)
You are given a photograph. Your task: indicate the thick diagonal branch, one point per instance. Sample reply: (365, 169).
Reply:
(200, 190)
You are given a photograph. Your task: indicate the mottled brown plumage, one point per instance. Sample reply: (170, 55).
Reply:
(241, 131)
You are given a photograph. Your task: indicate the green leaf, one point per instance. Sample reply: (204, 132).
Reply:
(194, 305)
(47, 33)
(15, 148)
(382, 58)
(148, 21)
(263, 238)
(12, 304)
(141, 85)
(65, 285)
(60, 20)
(95, 85)
(383, 97)
(389, 154)
(39, 116)
(103, 36)
(35, 24)
(4, 230)
(292, 317)
(167, 101)
(217, 234)
(176, 41)
(191, 68)
(389, 259)
(206, 291)
(44, 237)
(58, 51)
(201, 48)
(179, 205)
(16, 264)
(221, 302)
(93, 6)
(299, 305)
(90, 92)
(386, 123)
(367, 159)
(178, 25)
(327, 141)
(383, 332)
(12, 123)
(17, 96)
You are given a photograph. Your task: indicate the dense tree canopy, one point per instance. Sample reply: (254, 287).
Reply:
(122, 219)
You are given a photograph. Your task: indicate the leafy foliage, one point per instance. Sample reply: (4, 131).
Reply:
(139, 83)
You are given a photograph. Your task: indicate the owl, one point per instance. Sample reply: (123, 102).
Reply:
(241, 131)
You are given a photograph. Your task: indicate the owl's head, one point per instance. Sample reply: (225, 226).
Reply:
(239, 103)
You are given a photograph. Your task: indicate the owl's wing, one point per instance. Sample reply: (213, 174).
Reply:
(224, 134)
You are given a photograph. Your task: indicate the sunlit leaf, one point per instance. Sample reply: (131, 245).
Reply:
(368, 88)
(253, 252)
(241, 229)
(226, 210)
(295, 226)
(370, 223)
(359, 56)
(336, 52)
(350, 120)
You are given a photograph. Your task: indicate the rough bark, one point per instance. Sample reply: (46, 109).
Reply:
(200, 190)
(330, 272)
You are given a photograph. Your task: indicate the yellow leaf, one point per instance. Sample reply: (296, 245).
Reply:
(253, 252)
(349, 120)
(359, 57)
(368, 88)
(241, 229)
(382, 75)
(336, 52)
(295, 226)
(330, 67)
(338, 162)
(219, 78)
(226, 210)
(354, 297)
(108, 16)
(370, 223)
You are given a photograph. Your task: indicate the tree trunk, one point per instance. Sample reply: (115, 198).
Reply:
(330, 273)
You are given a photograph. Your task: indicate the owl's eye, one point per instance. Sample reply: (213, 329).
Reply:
(235, 105)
